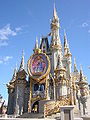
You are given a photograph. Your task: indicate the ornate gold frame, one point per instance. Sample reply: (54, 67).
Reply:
(48, 69)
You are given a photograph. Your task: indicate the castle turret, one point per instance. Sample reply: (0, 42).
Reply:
(60, 80)
(83, 84)
(22, 65)
(68, 63)
(11, 88)
(14, 75)
(83, 90)
(66, 46)
(20, 84)
(55, 45)
(55, 39)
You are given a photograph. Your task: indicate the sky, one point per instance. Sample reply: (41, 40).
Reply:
(22, 20)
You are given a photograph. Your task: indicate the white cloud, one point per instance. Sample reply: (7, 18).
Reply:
(85, 24)
(7, 58)
(6, 31)
(18, 29)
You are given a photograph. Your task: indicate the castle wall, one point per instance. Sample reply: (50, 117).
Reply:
(19, 98)
(11, 102)
(26, 99)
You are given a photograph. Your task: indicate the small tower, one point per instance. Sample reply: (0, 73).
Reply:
(20, 84)
(68, 64)
(60, 79)
(66, 46)
(11, 89)
(14, 75)
(83, 84)
(67, 56)
(83, 90)
(22, 65)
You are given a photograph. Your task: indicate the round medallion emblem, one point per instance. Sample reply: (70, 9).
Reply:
(38, 66)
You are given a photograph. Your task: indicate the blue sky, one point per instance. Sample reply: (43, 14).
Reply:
(22, 20)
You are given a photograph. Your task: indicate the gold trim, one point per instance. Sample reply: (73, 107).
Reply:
(30, 99)
(46, 88)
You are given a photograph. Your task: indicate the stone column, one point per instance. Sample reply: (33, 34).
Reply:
(67, 112)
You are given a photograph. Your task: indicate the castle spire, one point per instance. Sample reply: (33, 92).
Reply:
(80, 68)
(66, 46)
(55, 38)
(22, 65)
(81, 73)
(75, 67)
(54, 11)
(15, 74)
(36, 44)
(40, 42)
(59, 62)
(65, 39)
(55, 16)
(36, 49)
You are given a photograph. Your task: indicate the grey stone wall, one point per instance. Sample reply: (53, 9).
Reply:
(26, 99)
(19, 98)
(10, 109)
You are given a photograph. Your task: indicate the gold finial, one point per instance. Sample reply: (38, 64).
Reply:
(40, 42)
(80, 67)
(36, 49)
(54, 11)
(16, 66)
(85, 78)
(64, 32)
(22, 52)
(75, 68)
(36, 45)
(74, 61)
(81, 72)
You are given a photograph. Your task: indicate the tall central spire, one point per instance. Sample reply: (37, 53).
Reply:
(55, 40)
(54, 11)
(55, 16)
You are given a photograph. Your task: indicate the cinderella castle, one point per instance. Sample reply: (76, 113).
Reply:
(51, 83)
